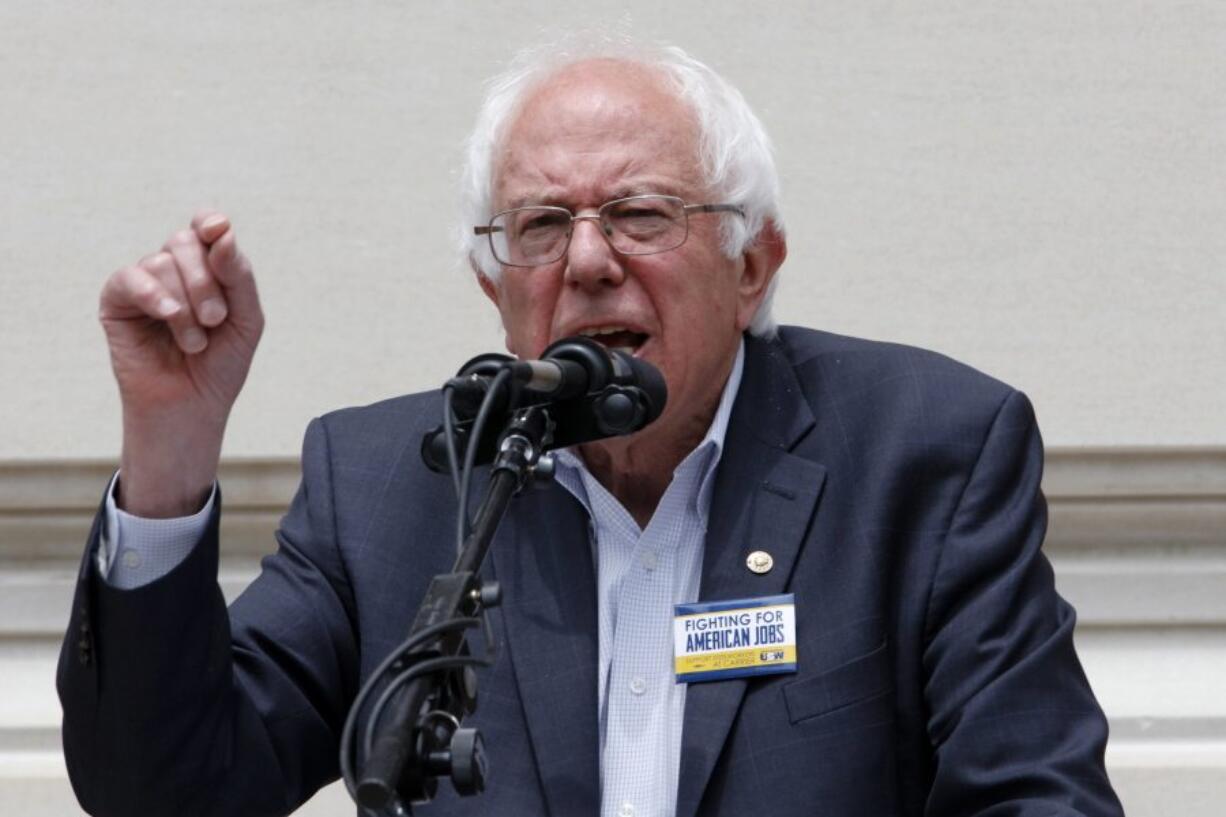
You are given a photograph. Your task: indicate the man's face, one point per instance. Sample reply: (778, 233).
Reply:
(604, 130)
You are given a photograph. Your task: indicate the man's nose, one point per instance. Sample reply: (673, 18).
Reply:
(591, 261)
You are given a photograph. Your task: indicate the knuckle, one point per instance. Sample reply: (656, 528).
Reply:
(201, 282)
(126, 284)
(182, 238)
(132, 278)
(157, 261)
(144, 291)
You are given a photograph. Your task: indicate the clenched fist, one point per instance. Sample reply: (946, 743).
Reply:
(182, 326)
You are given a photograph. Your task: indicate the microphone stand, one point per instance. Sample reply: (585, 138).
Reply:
(413, 734)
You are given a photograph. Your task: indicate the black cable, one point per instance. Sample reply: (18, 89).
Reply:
(486, 659)
(453, 460)
(347, 733)
(424, 668)
(470, 455)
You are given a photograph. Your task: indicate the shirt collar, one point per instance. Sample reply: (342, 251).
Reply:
(714, 440)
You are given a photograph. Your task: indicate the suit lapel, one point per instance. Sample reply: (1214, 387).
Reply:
(549, 604)
(764, 499)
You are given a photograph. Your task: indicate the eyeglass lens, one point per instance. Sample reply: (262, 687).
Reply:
(529, 236)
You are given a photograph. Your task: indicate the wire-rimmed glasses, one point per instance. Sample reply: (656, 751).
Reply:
(637, 225)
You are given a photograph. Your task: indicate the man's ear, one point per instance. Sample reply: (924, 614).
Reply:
(490, 288)
(487, 286)
(762, 260)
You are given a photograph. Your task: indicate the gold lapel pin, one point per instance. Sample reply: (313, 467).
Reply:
(760, 562)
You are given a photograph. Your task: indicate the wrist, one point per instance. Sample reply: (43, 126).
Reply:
(167, 472)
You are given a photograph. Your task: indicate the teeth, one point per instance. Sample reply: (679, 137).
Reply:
(602, 330)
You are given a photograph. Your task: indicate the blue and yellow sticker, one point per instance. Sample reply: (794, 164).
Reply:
(731, 639)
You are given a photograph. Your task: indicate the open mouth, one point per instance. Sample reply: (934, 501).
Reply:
(617, 337)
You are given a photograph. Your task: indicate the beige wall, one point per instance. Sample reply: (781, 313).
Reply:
(1036, 188)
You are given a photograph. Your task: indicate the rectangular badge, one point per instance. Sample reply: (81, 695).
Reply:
(731, 639)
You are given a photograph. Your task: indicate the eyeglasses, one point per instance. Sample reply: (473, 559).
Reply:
(637, 225)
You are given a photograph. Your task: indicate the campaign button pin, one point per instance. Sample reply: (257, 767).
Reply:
(760, 562)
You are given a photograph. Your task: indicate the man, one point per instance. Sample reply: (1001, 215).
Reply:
(893, 492)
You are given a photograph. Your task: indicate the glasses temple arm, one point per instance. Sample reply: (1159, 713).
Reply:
(715, 208)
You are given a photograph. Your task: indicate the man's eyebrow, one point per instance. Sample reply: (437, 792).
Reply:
(646, 188)
(550, 198)
(555, 198)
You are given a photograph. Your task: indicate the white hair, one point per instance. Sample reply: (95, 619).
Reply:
(735, 152)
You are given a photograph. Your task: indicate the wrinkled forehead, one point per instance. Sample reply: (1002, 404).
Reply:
(599, 124)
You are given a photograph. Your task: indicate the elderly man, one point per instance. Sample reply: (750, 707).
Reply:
(892, 492)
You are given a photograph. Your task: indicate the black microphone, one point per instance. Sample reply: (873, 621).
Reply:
(590, 392)
(472, 381)
(569, 368)
(559, 379)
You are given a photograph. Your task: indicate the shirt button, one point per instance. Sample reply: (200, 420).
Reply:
(131, 558)
(649, 559)
(638, 686)
(627, 809)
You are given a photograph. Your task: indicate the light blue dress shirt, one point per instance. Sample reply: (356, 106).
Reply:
(640, 575)
(136, 551)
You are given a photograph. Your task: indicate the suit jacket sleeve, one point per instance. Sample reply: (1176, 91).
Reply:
(174, 706)
(1015, 727)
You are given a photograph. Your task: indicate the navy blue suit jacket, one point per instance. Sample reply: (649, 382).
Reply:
(897, 491)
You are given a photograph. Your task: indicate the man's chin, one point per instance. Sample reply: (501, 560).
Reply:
(616, 448)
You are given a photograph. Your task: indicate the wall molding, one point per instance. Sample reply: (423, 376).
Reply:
(1138, 535)
(1119, 497)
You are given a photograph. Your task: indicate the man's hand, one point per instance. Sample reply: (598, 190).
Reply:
(182, 326)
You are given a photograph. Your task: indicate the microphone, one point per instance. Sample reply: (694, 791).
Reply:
(560, 379)
(568, 368)
(590, 393)
(473, 380)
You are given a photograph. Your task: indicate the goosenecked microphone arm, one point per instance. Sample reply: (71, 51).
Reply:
(420, 694)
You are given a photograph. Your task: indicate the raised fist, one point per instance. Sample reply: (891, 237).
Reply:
(182, 326)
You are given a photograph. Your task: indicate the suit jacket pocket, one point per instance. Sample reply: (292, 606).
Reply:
(860, 679)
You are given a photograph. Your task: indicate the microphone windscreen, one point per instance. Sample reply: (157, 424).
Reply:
(632, 371)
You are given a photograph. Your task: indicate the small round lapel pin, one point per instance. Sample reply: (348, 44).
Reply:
(760, 562)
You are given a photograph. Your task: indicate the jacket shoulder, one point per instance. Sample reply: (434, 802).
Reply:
(417, 409)
(838, 367)
(375, 437)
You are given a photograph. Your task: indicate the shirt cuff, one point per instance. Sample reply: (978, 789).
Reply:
(136, 551)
